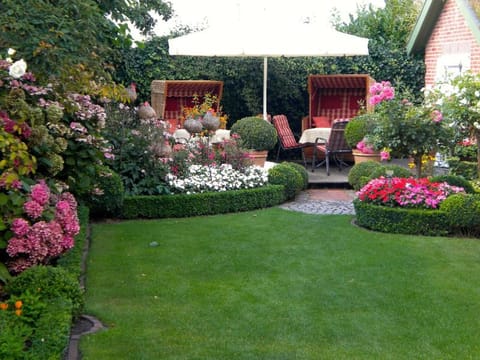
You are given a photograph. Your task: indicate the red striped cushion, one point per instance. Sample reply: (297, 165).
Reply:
(284, 132)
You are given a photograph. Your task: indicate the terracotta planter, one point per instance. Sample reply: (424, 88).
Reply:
(359, 157)
(258, 157)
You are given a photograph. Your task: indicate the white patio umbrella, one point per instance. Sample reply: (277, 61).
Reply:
(274, 40)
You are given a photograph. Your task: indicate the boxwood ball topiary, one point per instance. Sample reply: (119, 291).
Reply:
(356, 129)
(398, 171)
(463, 212)
(360, 173)
(287, 176)
(255, 133)
(301, 170)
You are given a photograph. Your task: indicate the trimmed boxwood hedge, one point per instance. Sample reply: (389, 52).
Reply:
(211, 203)
(401, 221)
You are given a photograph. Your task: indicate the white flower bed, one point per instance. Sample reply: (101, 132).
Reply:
(222, 178)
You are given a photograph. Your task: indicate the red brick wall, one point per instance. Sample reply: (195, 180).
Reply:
(450, 34)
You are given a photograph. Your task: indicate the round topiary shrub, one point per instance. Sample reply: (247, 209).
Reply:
(108, 193)
(356, 129)
(398, 171)
(301, 170)
(255, 133)
(463, 213)
(360, 173)
(455, 180)
(287, 176)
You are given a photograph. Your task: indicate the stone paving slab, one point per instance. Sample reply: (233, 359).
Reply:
(323, 201)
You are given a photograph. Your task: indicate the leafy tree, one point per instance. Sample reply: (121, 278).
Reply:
(141, 13)
(388, 29)
(54, 35)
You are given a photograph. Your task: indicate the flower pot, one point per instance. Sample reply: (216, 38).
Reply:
(258, 157)
(359, 157)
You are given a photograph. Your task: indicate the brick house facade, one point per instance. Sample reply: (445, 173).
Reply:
(447, 34)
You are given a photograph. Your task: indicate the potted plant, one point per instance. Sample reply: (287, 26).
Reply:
(357, 134)
(256, 135)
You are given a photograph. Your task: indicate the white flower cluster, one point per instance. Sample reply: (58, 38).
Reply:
(222, 178)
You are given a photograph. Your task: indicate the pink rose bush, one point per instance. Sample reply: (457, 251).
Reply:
(46, 230)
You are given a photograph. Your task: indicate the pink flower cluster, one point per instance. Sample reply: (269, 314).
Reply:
(437, 116)
(43, 238)
(14, 127)
(365, 148)
(86, 109)
(406, 192)
(380, 92)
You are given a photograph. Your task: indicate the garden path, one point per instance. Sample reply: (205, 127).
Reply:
(323, 201)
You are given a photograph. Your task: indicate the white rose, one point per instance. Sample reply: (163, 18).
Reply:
(11, 52)
(18, 69)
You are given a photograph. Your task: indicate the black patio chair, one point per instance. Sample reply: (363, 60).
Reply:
(333, 148)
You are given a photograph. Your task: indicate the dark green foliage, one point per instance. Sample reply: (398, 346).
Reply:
(360, 173)
(287, 176)
(183, 205)
(401, 221)
(467, 169)
(301, 170)
(255, 133)
(463, 213)
(49, 283)
(398, 171)
(53, 36)
(388, 29)
(109, 201)
(52, 331)
(465, 152)
(455, 180)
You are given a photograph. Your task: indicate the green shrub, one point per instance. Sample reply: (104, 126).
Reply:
(467, 169)
(360, 173)
(400, 220)
(455, 180)
(255, 133)
(287, 176)
(463, 213)
(49, 283)
(108, 194)
(301, 170)
(398, 171)
(185, 205)
(356, 129)
(50, 339)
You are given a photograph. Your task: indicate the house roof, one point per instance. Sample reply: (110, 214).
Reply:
(429, 15)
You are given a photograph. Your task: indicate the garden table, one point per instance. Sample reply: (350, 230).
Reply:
(310, 135)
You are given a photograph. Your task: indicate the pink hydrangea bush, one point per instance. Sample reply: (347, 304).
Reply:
(46, 230)
(406, 192)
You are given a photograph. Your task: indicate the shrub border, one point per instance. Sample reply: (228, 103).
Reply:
(400, 220)
(210, 203)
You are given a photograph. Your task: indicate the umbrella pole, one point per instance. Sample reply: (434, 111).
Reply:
(265, 69)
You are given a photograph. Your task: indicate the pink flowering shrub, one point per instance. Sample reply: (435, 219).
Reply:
(406, 192)
(405, 129)
(46, 230)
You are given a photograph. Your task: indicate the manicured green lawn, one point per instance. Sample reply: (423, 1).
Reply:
(274, 284)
